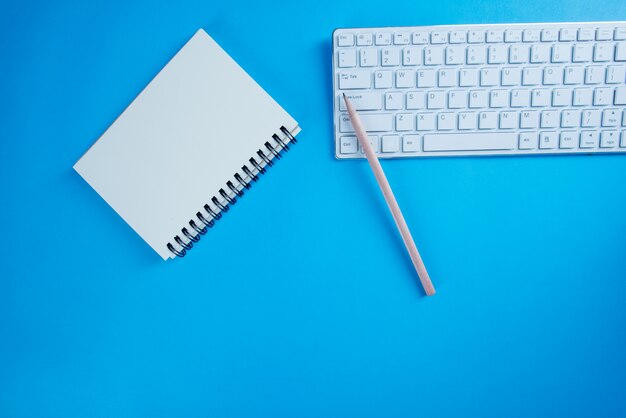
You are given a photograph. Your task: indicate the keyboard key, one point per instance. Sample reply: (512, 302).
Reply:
(410, 143)
(419, 38)
(529, 119)
(478, 99)
(455, 55)
(390, 143)
(495, 36)
(364, 39)
(348, 145)
(446, 121)
(520, 98)
(611, 117)
(425, 121)
(457, 99)
(390, 57)
(508, 120)
(373, 142)
(620, 51)
(615, 74)
(447, 78)
(550, 119)
(549, 35)
(362, 101)
(426, 78)
(568, 140)
(604, 34)
(489, 76)
(467, 120)
(540, 98)
(622, 142)
(528, 140)
(573, 75)
(405, 122)
(468, 77)
(567, 34)
(561, 53)
(469, 141)
(382, 79)
(368, 57)
(594, 74)
(531, 76)
(608, 139)
(590, 118)
(511, 76)
(602, 52)
(570, 118)
(412, 55)
(345, 39)
(548, 140)
(552, 75)
(433, 55)
(518, 54)
(539, 53)
(561, 97)
(401, 38)
(497, 54)
(458, 37)
(347, 58)
(582, 52)
(620, 96)
(589, 139)
(436, 99)
(405, 79)
(371, 122)
(620, 33)
(438, 37)
(487, 120)
(603, 96)
(582, 97)
(383, 38)
(415, 100)
(476, 36)
(498, 98)
(476, 54)
(355, 80)
(513, 35)
(531, 35)
(393, 101)
(586, 34)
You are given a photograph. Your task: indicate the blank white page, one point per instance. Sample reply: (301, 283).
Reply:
(178, 143)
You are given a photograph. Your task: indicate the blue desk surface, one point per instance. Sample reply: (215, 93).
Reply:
(276, 313)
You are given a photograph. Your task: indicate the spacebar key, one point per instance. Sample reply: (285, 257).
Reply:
(470, 142)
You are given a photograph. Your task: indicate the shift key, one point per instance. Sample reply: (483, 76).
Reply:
(355, 80)
(378, 122)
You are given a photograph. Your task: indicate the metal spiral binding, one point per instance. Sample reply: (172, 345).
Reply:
(201, 219)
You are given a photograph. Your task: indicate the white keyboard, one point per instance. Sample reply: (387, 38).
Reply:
(549, 88)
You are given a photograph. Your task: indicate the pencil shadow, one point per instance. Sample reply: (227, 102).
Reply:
(362, 171)
(370, 188)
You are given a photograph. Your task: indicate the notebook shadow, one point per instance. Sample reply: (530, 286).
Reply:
(101, 215)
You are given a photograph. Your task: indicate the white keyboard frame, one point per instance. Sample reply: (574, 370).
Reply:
(515, 152)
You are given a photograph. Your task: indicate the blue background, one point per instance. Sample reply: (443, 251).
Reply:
(301, 301)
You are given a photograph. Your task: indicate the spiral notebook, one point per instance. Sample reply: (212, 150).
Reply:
(187, 147)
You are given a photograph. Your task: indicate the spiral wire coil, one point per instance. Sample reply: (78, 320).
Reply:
(200, 223)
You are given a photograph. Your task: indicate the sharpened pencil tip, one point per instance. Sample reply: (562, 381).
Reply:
(344, 95)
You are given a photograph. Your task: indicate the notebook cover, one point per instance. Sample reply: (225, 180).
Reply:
(188, 132)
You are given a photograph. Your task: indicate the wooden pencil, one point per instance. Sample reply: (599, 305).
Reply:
(420, 268)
